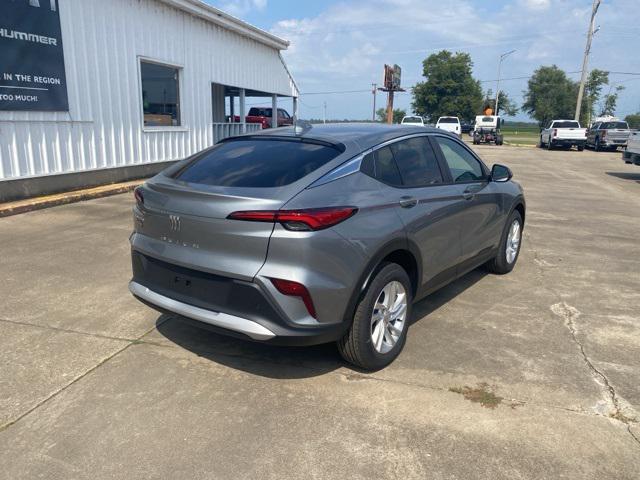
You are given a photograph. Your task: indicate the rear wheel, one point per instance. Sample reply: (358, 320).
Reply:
(379, 329)
(580, 148)
(509, 249)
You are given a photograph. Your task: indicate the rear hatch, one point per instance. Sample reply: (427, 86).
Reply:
(183, 218)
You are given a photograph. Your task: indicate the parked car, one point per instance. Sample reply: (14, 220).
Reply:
(563, 133)
(262, 115)
(413, 120)
(466, 127)
(450, 124)
(608, 135)
(632, 152)
(487, 130)
(329, 234)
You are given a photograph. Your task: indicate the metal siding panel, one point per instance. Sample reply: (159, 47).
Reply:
(103, 128)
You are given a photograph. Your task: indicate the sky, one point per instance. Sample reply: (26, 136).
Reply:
(338, 46)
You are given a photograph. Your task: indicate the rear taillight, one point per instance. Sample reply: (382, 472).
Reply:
(295, 289)
(555, 132)
(305, 220)
(137, 193)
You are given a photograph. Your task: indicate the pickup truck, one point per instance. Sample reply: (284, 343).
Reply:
(608, 135)
(632, 153)
(262, 115)
(563, 133)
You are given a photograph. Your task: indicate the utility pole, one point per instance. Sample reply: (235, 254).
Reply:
(502, 57)
(585, 61)
(374, 91)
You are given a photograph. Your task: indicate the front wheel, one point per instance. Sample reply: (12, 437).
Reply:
(509, 248)
(379, 329)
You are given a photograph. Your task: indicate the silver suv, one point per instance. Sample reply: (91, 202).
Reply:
(327, 233)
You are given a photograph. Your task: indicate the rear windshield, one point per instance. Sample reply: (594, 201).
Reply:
(412, 120)
(567, 124)
(488, 119)
(620, 125)
(260, 112)
(448, 120)
(260, 163)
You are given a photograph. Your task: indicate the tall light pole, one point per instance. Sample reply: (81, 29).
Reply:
(502, 57)
(585, 61)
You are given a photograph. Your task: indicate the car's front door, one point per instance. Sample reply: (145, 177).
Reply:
(480, 213)
(426, 205)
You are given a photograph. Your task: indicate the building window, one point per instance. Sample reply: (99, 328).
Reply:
(160, 95)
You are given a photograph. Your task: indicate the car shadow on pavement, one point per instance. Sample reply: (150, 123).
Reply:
(281, 362)
(437, 299)
(253, 357)
(625, 175)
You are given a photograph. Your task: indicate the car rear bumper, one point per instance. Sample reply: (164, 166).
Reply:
(568, 142)
(228, 306)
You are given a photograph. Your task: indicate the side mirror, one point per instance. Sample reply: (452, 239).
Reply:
(500, 173)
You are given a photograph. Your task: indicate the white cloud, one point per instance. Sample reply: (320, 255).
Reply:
(238, 8)
(537, 4)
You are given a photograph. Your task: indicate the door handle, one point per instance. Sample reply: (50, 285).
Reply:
(408, 202)
(469, 193)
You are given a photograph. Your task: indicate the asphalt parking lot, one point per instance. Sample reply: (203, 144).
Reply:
(531, 375)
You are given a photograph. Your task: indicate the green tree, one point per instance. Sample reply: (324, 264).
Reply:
(505, 104)
(550, 94)
(633, 120)
(448, 88)
(610, 102)
(398, 114)
(596, 80)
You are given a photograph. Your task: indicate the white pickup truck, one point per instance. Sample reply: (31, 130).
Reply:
(563, 133)
(632, 153)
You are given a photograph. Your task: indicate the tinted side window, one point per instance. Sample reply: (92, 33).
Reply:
(385, 167)
(256, 163)
(417, 162)
(464, 166)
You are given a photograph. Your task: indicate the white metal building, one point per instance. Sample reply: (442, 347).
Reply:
(147, 81)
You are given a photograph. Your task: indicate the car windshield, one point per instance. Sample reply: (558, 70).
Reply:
(448, 120)
(259, 163)
(566, 124)
(619, 125)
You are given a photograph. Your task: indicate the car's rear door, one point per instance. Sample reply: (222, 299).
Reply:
(479, 205)
(426, 205)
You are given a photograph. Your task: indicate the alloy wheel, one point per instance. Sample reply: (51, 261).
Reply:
(388, 317)
(513, 241)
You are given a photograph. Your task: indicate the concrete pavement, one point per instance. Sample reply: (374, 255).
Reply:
(531, 375)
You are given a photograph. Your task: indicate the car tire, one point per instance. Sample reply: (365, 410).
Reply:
(357, 346)
(506, 259)
(541, 142)
(580, 148)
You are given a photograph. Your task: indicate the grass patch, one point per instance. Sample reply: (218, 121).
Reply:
(482, 394)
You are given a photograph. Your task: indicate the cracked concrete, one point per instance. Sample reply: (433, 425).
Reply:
(96, 385)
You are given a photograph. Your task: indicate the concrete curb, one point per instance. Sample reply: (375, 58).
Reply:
(37, 203)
